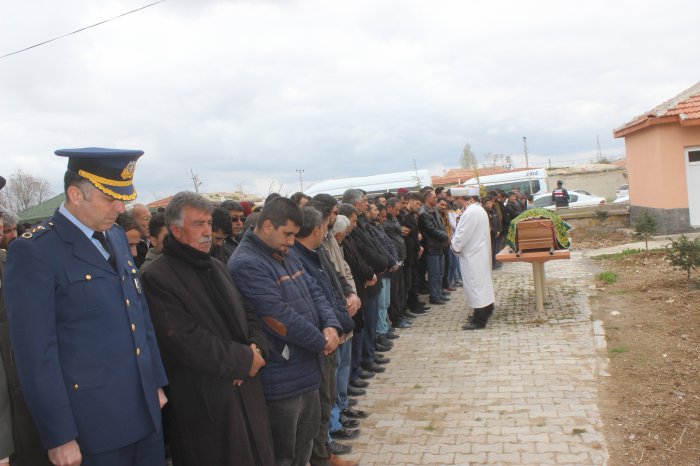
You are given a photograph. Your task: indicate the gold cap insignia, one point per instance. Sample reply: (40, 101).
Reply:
(128, 172)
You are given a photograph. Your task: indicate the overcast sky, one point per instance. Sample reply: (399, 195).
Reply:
(246, 93)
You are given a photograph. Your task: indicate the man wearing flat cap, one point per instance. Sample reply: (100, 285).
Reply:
(81, 333)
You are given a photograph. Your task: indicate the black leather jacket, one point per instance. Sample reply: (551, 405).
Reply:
(434, 232)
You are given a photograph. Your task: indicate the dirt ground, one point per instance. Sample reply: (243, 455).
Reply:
(651, 402)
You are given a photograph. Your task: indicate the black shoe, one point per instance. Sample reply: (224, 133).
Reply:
(335, 448)
(348, 422)
(374, 368)
(392, 336)
(411, 314)
(352, 391)
(358, 383)
(355, 413)
(437, 301)
(422, 307)
(473, 326)
(352, 402)
(381, 348)
(444, 297)
(381, 360)
(383, 340)
(345, 434)
(364, 375)
(419, 312)
(391, 330)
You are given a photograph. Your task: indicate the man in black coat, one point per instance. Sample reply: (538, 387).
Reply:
(212, 344)
(436, 238)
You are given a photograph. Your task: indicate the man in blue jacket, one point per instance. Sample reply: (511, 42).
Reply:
(298, 320)
(86, 352)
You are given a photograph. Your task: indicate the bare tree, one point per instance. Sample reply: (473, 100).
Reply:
(24, 190)
(468, 160)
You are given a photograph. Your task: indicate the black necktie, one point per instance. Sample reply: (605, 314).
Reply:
(99, 236)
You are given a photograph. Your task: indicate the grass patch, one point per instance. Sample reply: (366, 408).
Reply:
(577, 431)
(618, 255)
(619, 350)
(417, 387)
(430, 428)
(607, 277)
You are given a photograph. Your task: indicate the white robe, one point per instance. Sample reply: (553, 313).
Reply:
(472, 243)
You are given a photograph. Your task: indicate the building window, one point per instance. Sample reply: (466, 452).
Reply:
(693, 156)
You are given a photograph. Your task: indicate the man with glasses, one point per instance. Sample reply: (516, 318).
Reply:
(235, 212)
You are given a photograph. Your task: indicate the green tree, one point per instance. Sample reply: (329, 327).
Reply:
(684, 254)
(645, 226)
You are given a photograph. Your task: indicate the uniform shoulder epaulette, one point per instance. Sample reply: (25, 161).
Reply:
(37, 230)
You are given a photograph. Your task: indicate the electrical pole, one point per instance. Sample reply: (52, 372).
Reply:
(195, 180)
(301, 184)
(527, 162)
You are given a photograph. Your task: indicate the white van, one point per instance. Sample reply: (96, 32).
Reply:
(532, 181)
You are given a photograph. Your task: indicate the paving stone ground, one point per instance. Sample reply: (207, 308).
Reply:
(522, 391)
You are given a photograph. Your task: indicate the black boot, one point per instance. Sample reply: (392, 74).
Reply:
(478, 320)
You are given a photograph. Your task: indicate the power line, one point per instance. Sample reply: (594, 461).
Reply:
(81, 29)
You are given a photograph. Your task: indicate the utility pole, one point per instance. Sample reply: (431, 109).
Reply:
(195, 180)
(301, 184)
(600, 152)
(527, 161)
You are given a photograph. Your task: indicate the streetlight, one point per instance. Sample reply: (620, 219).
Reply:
(301, 185)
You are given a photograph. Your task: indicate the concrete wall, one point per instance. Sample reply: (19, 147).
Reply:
(602, 184)
(656, 165)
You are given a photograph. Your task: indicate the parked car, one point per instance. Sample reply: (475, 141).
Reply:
(622, 191)
(622, 200)
(576, 199)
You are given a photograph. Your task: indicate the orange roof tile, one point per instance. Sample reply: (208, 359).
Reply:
(683, 109)
(456, 176)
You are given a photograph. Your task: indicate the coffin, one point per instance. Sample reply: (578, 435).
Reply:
(535, 234)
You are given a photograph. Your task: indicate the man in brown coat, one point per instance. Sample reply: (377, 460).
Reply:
(212, 346)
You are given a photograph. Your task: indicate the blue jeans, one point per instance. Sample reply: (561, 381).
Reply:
(384, 301)
(343, 356)
(436, 267)
(370, 309)
(455, 274)
(295, 422)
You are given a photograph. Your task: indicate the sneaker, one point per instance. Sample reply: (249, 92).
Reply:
(437, 301)
(348, 423)
(374, 367)
(355, 413)
(392, 336)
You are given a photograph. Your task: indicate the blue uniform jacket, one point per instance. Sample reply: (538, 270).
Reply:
(82, 338)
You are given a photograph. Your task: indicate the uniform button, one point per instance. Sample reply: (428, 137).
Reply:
(75, 387)
(133, 271)
(133, 327)
(138, 351)
(88, 277)
(128, 303)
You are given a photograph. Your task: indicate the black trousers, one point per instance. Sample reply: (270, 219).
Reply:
(396, 304)
(410, 281)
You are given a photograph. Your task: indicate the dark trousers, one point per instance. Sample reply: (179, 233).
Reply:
(148, 451)
(422, 267)
(436, 267)
(327, 392)
(410, 280)
(295, 422)
(396, 304)
(370, 309)
(356, 353)
(446, 271)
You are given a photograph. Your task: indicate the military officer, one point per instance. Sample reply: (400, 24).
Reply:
(81, 333)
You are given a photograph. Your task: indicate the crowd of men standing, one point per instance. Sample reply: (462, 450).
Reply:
(255, 330)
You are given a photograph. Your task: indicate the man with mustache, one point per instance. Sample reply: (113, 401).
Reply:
(213, 346)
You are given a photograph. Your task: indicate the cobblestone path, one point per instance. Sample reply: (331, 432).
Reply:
(522, 391)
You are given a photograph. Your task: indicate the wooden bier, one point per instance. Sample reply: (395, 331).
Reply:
(537, 259)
